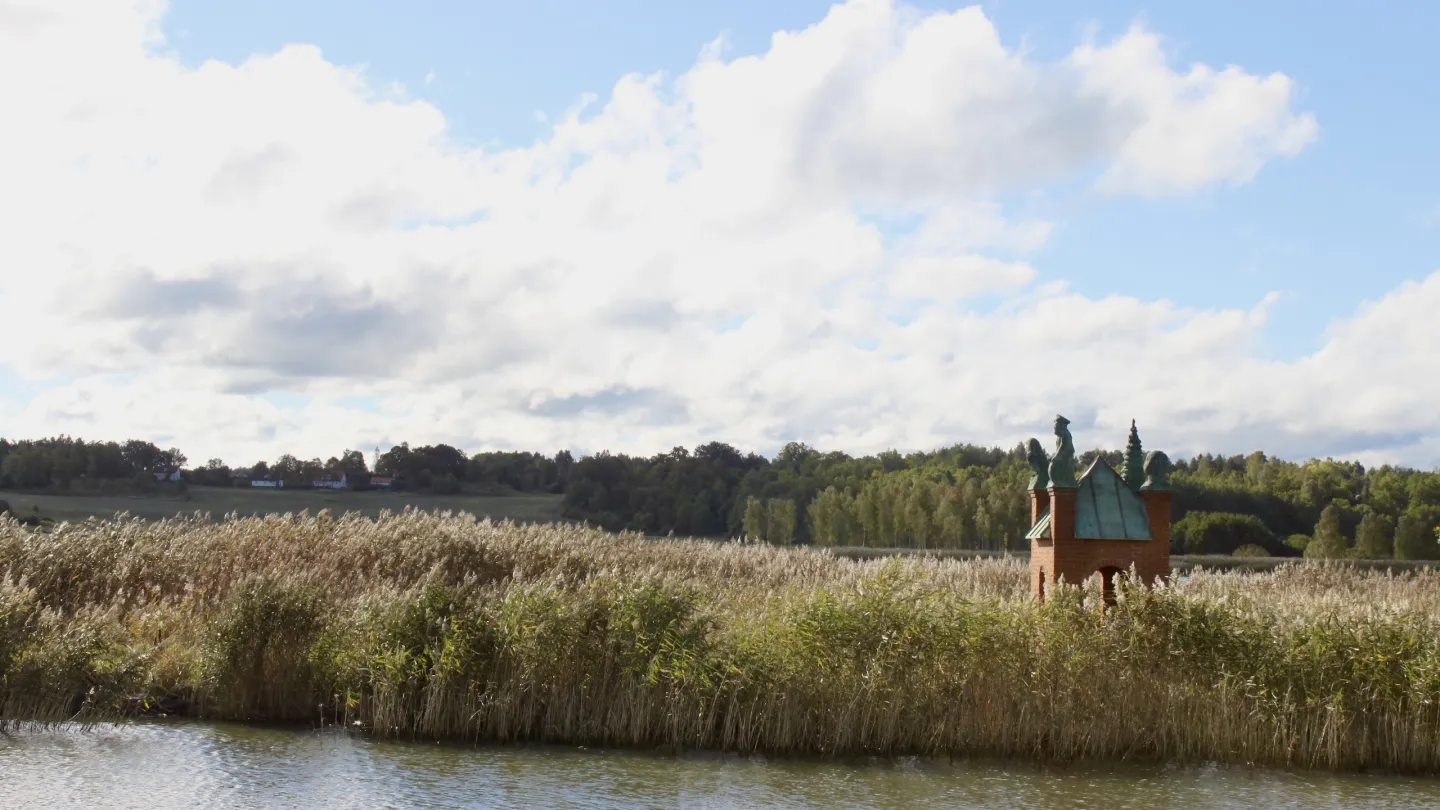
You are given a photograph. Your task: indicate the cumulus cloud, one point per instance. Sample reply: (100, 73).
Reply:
(1190, 130)
(787, 245)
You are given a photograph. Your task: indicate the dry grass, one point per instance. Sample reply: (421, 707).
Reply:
(435, 625)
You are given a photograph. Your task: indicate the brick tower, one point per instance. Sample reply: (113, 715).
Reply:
(1098, 522)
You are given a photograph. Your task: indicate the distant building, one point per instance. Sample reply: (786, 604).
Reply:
(330, 482)
(263, 482)
(381, 481)
(1097, 523)
(171, 474)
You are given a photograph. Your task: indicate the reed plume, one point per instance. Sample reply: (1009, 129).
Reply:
(438, 625)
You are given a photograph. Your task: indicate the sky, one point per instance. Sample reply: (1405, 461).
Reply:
(259, 227)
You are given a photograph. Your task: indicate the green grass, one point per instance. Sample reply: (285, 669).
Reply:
(246, 502)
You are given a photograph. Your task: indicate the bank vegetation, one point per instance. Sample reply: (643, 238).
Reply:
(427, 625)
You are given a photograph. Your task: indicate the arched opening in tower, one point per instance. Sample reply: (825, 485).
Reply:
(1108, 576)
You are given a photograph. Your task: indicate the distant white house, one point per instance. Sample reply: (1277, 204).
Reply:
(330, 482)
(172, 474)
(264, 483)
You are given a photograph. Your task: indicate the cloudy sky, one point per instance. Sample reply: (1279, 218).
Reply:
(248, 227)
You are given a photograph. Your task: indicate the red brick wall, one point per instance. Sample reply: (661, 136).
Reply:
(1042, 567)
(1157, 507)
(1046, 556)
(1062, 514)
(1077, 559)
(1039, 502)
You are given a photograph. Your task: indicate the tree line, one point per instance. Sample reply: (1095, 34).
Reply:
(963, 496)
(63, 461)
(970, 497)
(960, 497)
(1321, 508)
(66, 464)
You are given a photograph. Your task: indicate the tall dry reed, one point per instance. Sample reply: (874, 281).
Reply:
(441, 626)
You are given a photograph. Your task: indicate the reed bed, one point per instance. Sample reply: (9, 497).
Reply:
(438, 625)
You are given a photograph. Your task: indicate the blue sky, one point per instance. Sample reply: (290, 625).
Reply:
(865, 225)
(1346, 221)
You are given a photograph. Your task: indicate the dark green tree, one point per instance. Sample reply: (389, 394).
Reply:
(1134, 472)
(1373, 538)
(26, 467)
(1328, 542)
(756, 522)
(445, 484)
(143, 456)
(1415, 539)
(780, 521)
(563, 462)
(1221, 533)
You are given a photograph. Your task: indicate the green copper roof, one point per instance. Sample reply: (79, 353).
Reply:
(1106, 509)
(1041, 527)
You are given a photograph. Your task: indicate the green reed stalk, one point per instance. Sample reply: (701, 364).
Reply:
(438, 626)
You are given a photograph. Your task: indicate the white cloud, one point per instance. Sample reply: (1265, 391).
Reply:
(1188, 131)
(682, 261)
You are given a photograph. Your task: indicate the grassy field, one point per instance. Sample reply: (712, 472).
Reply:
(424, 626)
(218, 502)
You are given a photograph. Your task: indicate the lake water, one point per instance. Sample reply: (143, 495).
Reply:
(187, 765)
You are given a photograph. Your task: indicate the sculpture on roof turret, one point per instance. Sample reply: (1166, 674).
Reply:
(1157, 470)
(1062, 466)
(1039, 466)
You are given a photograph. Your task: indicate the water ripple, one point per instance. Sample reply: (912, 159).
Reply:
(185, 765)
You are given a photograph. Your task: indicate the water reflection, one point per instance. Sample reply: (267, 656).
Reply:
(156, 766)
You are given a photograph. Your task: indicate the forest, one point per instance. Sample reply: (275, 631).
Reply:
(969, 497)
(958, 497)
